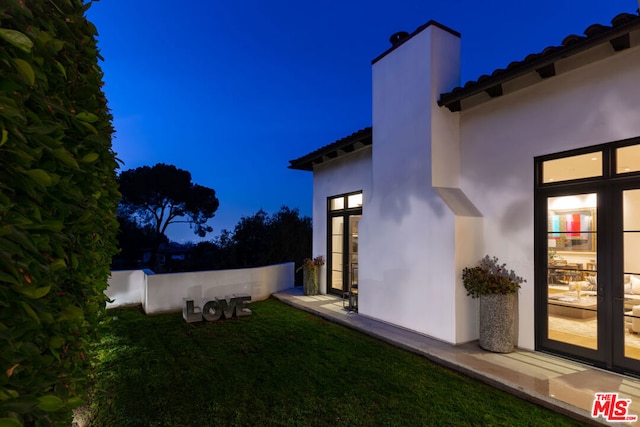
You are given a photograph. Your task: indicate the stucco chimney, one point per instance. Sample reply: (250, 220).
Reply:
(403, 214)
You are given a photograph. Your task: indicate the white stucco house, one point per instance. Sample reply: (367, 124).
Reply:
(537, 163)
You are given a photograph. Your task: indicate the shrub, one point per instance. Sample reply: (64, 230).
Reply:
(58, 198)
(490, 277)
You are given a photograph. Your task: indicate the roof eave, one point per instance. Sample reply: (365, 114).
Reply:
(452, 100)
(349, 144)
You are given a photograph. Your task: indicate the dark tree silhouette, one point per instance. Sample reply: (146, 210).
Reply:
(262, 240)
(251, 239)
(133, 242)
(162, 195)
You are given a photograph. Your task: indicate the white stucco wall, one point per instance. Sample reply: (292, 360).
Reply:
(443, 189)
(595, 104)
(165, 292)
(346, 174)
(407, 234)
(126, 287)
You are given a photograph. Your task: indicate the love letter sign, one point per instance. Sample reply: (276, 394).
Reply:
(217, 308)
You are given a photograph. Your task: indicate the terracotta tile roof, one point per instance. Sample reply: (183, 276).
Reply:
(356, 140)
(617, 35)
(543, 63)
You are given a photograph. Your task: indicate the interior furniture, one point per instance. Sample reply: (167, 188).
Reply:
(632, 320)
(570, 305)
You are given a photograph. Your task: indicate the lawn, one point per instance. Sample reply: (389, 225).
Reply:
(282, 367)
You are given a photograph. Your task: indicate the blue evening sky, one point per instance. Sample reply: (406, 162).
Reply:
(232, 90)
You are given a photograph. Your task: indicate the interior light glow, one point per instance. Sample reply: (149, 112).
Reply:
(354, 200)
(580, 201)
(573, 167)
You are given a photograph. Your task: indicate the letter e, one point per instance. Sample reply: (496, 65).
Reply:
(242, 302)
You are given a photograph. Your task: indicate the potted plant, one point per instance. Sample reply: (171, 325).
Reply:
(497, 287)
(311, 274)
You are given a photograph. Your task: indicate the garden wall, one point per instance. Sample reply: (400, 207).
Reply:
(165, 292)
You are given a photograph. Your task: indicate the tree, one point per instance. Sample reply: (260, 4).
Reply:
(162, 195)
(290, 236)
(133, 240)
(251, 239)
(262, 240)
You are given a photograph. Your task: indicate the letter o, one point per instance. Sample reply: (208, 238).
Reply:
(209, 307)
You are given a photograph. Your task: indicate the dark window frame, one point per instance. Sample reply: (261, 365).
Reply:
(345, 213)
(609, 252)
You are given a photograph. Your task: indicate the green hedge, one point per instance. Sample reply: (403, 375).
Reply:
(58, 198)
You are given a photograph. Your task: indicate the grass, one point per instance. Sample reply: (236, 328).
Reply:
(282, 367)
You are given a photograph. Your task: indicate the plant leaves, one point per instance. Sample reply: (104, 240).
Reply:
(87, 117)
(9, 109)
(27, 308)
(40, 176)
(89, 127)
(89, 158)
(25, 70)
(47, 206)
(50, 403)
(34, 292)
(16, 38)
(71, 312)
(74, 402)
(21, 405)
(65, 157)
(10, 422)
(62, 69)
(44, 129)
(5, 277)
(56, 342)
(7, 394)
(57, 264)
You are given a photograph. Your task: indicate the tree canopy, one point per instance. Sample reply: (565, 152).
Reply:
(256, 240)
(162, 195)
(263, 240)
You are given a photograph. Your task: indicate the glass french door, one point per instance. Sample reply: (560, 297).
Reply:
(590, 268)
(627, 294)
(337, 261)
(344, 253)
(588, 262)
(574, 306)
(345, 212)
